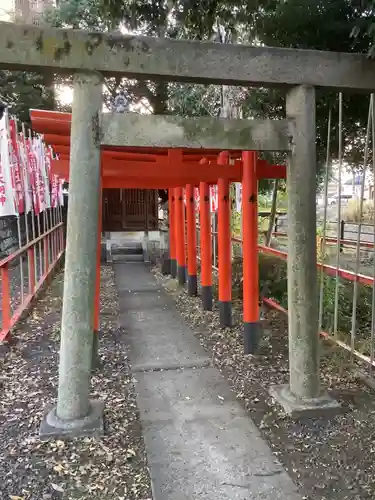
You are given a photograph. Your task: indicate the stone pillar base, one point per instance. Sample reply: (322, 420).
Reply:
(91, 425)
(252, 334)
(297, 407)
(225, 313)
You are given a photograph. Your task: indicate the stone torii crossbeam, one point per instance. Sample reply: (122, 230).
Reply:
(90, 56)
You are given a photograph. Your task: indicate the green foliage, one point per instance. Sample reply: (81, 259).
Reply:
(310, 24)
(193, 100)
(273, 278)
(22, 91)
(364, 30)
(236, 223)
(83, 14)
(273, 281)
(345, 308)
(322, 25)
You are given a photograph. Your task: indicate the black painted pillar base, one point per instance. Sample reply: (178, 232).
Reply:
(252, 335)
(173, 268)
(95, 351)
(181, 275)
(207, 297)
(192, 285)
(225, 313)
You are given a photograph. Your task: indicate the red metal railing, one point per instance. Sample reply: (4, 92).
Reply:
(50, 247)
(272, 304)
(331, 239)
(329, 270)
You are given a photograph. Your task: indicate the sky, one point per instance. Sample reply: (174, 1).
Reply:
(6, 6)
(64, 94)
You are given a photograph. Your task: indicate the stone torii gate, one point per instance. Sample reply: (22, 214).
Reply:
(90, 56)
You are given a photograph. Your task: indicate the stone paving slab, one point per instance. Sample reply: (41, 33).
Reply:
(200, 442)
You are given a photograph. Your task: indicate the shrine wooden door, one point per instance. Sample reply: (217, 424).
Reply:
(130, 210)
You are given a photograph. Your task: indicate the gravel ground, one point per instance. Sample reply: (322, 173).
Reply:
(113, 467)
(330, 459)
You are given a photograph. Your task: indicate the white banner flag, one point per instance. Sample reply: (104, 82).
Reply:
(38, 168)
(7, 199)
(43, 187)
(25, 173)
(214, 198)
(238, 197)
(61, 192)
(46, 162)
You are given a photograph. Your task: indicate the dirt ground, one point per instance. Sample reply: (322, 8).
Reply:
(329, 458)
(109, 468)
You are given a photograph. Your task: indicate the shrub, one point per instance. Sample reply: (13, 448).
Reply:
(273, 284)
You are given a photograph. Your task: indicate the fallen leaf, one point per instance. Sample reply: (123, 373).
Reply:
(58, 468)
(58, 488)
(130, 453)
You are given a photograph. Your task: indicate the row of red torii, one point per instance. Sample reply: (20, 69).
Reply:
(176, 170)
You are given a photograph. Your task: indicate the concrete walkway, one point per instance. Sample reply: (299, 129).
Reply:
(201, 444)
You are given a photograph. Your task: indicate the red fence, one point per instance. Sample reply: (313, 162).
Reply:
(330, 271)
(330, 239)
(41, 256)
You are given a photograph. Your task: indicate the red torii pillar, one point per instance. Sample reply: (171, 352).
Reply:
(252, 326)
(180, 235)
(205, 246)
(224, 248)
(172, 232)
(191, 241)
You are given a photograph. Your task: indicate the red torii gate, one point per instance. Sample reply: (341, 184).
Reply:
(176, 169)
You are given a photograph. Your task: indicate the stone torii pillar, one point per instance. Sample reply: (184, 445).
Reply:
(303, 395)
(75, 414)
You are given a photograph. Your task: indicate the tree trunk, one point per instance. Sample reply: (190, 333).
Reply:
(273, 212)
(160, 103)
